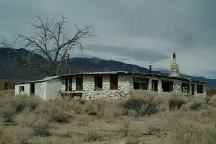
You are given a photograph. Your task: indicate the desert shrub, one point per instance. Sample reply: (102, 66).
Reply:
(10, 106)
(93, 136)
(209, 113)
(83, 120)
(126, 128)
(132, 140)
(105, 109)
(53, 113)
(7, 113)
(189, 132)
(212, 100)
(26, 119)
(41, 127)
(176, 101)
(15, 135)
(141, 106)
(73, 105)
(194, 104)
(24, 135)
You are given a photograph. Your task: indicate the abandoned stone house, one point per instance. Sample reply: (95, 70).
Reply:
(116, 84)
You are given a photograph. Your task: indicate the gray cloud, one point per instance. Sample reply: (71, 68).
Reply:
(131, 53)
(153, 27)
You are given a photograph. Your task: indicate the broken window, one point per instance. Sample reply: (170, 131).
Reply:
(185, 87)
(192, 89)
(136, 85)
(79, 83)
(32, 88)
(154, 85)
(113, 82)
(167, 86)
(68, 84)
(200, 89)
(5, 85)
(140, 83)
(21, 88)
(98, 82)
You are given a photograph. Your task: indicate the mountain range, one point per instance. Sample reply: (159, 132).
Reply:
(13, 66)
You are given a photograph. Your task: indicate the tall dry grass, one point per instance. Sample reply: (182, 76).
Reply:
(182, 119)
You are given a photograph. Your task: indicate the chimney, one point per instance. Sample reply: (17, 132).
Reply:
(150, 69)
(174, 57)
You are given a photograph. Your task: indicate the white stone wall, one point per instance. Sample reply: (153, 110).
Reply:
(26, 91)
(125, 84)
(88, 83)
(74, 83)
(40, 89)
(177, 86)
(53, 88)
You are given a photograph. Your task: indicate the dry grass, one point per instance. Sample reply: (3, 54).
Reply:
(143, 118)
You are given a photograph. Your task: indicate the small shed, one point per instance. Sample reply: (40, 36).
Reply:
(47, 88)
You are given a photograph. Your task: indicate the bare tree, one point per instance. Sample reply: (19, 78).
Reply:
(52, 40)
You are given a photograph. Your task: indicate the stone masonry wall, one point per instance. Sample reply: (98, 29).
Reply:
(125, 84)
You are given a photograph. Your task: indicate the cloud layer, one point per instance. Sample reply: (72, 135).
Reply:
(138, 31)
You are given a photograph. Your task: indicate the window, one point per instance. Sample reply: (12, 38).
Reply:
(154, 85)
(136, 85)
(79, 83)
(98, 82)
(32, 88)
(21, 89)
(140, 83)
(68, 84)
(185, 88)
(167, 86)
(113, 82)
(200, 89)
(5, 85)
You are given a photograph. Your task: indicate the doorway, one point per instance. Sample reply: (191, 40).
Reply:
(32, 89)
(192, 88)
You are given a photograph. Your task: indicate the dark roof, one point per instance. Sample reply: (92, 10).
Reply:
(118, 72)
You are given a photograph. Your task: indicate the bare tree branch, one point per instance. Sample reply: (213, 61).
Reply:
(52, 41)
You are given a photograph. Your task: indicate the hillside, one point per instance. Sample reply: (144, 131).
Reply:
(13, 66)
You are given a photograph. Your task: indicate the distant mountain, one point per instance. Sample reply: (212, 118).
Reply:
(13, 66)
(96, 64)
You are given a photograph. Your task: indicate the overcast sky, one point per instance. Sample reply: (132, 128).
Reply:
(140, 32)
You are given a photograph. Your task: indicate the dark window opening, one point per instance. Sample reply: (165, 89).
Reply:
(5, 85)
(113, 82)
(140, 83)
(21, 88)
(32, 88)
(200, 89)
(154, 85)
(79, 83)
(192, 88)
(185, 88)
(70, 84)
(66, 84)
(98, 82)
(136, 85)
(167, 86)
